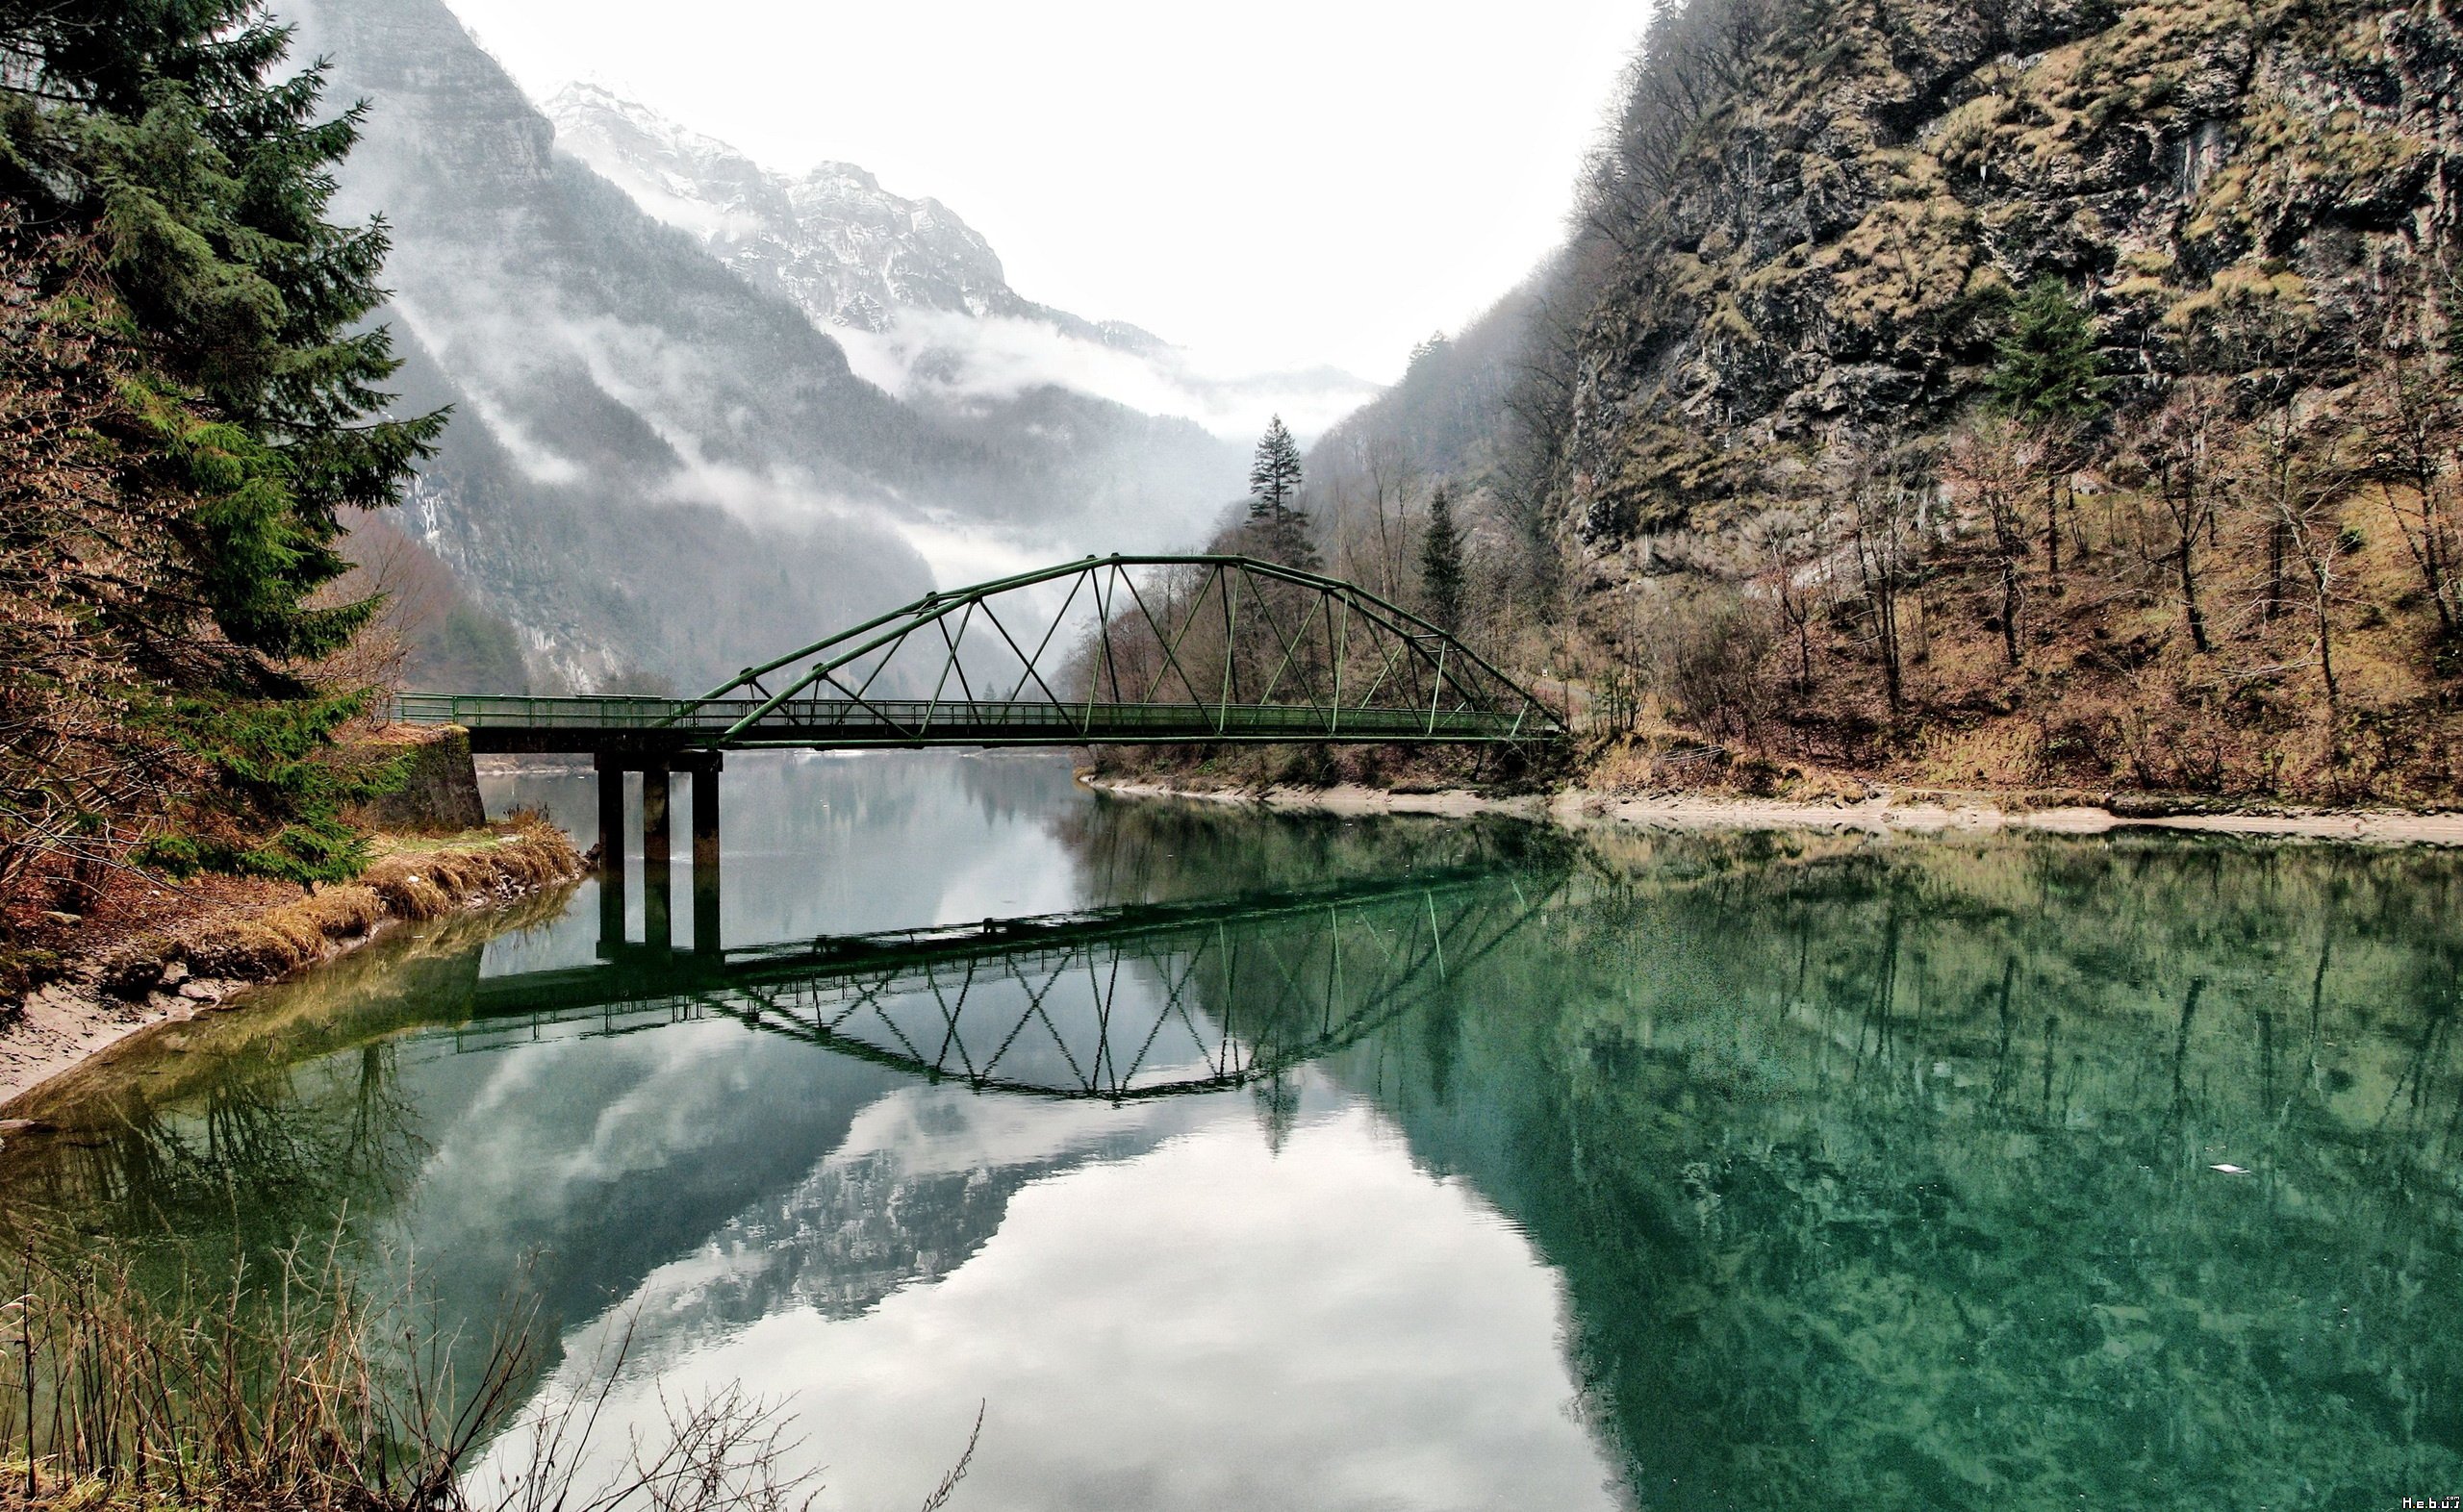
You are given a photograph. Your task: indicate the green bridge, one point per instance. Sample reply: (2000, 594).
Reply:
(635, 727)
(1145, 650)
(1110, 650)
(1109, 1003)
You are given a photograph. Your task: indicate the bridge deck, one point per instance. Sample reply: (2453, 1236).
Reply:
(628, 724)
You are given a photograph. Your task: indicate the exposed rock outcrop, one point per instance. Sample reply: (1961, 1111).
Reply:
(1837, 233)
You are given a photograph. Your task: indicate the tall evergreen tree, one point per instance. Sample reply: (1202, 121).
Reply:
(1274, 473)
(1278, 527)
(200, 394)
(1441, 563)
(2047, 375)
(2045, 369)
(161, 138)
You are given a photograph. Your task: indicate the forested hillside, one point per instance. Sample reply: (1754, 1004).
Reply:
(189, 400)
(2029, 395)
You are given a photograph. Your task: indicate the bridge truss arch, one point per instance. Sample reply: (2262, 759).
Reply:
(1117, 1005)
(1128, 649)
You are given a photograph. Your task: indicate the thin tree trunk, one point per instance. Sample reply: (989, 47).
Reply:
(2010, 608)
(2327, 650)
(2052, 532)
(2189, 594)
(2278, 539)
(1885, 623)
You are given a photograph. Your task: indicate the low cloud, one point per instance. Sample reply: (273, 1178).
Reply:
(938, 354)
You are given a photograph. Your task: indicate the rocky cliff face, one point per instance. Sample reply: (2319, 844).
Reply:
(1838, 230)
(1804, 487)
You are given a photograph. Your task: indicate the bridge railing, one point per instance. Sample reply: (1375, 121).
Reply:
(897, 720)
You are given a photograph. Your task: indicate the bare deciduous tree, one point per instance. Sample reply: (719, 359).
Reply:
(1992, 464)
(2293, 474)
(1790, 547)
(2416, 429)
(1885, 493)
(2175, 446)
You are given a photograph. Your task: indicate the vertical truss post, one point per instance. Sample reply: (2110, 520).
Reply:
(1230, 654)
(1337, 641)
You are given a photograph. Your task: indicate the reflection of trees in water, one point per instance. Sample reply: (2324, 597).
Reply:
(1883, 1177)
(258, 1159)
(244, 1131)
(1136, 850)
(1878, 1173)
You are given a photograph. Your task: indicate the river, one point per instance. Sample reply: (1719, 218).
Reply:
(1396, 1163)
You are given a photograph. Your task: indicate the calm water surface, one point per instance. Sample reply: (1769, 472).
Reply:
(1400, 1164)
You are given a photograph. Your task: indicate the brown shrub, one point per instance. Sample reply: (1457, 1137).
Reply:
(402, 882)
(1703, 654)
(249, 949)
(337, 912)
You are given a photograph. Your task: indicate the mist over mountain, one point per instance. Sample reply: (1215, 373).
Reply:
(833, 241)
(660, 466)
(914, 296)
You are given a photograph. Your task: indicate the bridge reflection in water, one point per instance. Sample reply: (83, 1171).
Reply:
(1116, 1004)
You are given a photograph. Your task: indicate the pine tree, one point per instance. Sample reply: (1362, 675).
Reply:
(2047, 370)
(1277, 527)
(160, 137)
(1441, 563)
(2047, 375)
(1274, 473)
(177, 293)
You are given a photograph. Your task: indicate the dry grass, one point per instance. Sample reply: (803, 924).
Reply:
(413, 880)
(296, 1393)
(258, 1396)
(416, 885)
(2111, 696)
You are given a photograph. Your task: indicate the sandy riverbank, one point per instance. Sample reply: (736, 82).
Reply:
(1882, 814)
(197, 957)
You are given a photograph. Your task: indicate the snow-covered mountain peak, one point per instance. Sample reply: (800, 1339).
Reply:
(832, 240)
(914, 294)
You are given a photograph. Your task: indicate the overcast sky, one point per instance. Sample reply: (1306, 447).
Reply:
(1272, 184)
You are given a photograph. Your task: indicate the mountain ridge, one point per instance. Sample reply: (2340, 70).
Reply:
(916, 296)
(809, 234)
(659, 468)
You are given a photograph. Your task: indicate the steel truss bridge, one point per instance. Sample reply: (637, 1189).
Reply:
(1117, 1004)
(1109, 650)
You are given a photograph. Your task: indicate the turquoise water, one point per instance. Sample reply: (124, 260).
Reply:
(1326, 1163)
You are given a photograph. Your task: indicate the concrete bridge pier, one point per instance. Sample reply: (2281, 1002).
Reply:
(657, 848)
(655, 852)
(611, 854)
(705, 767)
(658, 931)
